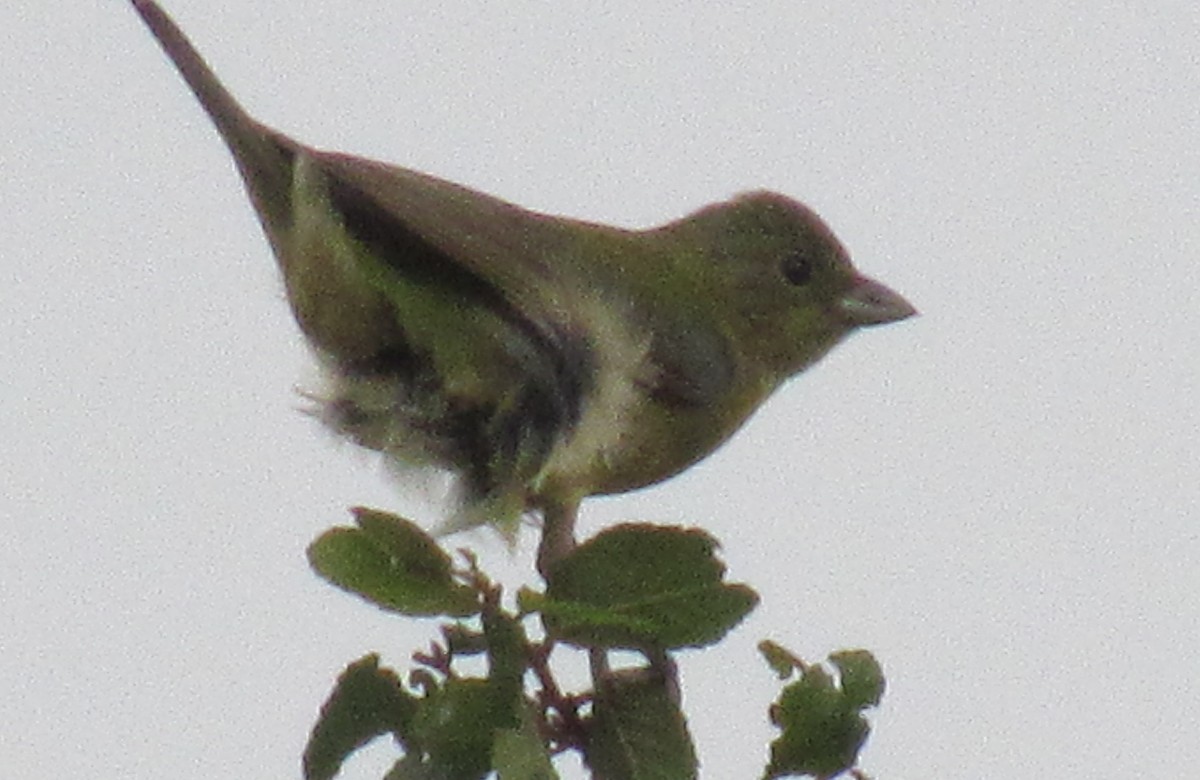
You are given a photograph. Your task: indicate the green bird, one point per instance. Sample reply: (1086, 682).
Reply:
(538, 359)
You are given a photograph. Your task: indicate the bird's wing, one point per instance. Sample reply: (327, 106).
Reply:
(497, 251)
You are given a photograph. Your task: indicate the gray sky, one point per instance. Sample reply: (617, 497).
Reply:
(999, 498)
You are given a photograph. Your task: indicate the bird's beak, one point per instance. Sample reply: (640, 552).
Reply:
(870, 303)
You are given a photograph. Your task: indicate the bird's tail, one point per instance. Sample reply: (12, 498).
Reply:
(264, 157)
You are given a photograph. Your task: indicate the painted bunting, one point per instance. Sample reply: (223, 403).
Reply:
(538, 359)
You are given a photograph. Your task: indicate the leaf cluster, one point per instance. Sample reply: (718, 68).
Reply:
(648, 588)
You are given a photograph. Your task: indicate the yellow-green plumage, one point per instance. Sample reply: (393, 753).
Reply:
(539, 359)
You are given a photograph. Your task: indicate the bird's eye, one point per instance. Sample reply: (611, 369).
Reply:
(797, 268)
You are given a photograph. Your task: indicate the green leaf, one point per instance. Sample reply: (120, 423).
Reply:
(637, 732)
(458, 723)
(366, 702)
(414, 767)
(520, 754)
(642, 586)
(461, 640)
(862, 677)
(508, 653)
(455, 727)
(822, 725)
(529, 600)
(779, 658)
(392, 563)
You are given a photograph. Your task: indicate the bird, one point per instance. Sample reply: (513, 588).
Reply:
(537, 359)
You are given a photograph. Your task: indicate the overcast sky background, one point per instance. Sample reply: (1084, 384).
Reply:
(1000, 498)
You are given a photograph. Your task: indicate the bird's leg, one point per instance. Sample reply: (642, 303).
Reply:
(598, 664)
(662, 663)
(558, 534)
